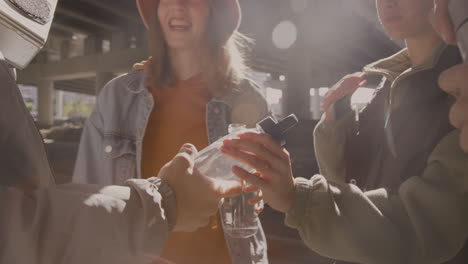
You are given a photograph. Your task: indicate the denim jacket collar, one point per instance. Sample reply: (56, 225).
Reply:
(138, 85)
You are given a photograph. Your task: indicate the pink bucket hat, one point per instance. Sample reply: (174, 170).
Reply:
(228, 15)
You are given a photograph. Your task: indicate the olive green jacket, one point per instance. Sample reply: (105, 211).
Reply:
(425, 222)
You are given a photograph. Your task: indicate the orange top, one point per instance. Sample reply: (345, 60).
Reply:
(177, 118)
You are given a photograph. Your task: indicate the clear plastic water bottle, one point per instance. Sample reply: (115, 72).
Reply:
(238, 217)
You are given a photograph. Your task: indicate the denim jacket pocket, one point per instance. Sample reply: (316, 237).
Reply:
(120, 157)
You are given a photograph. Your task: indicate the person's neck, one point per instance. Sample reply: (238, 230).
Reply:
(185, 63)
(422, 47)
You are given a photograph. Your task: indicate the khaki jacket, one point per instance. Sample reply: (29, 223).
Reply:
(41, 222)
(424, 222)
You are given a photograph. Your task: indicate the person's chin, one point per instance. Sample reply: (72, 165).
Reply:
(178, 44)
(394, 33)
(396, 36)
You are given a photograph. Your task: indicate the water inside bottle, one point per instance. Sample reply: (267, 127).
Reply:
(239, 217)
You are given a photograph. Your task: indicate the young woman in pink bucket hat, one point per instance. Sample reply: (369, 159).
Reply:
(191, 88)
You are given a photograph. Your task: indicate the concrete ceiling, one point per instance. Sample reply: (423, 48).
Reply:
(335, 37)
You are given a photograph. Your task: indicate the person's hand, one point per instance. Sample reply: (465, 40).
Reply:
(455, 81)
(440, 20)
(197, 197)
(272, 165)
(346, 86)
(257, 201)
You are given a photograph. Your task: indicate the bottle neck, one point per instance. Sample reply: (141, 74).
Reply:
(233, 128)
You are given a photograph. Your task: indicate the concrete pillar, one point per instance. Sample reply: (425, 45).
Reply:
(141, 40)
(119, 41)
(102, 78)
(93, 45)
(65, 49)
(315, 105)
(42, 57)
(59, 104)
(45, 92)
(297, 93)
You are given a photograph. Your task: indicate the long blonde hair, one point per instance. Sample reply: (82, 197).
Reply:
(226, 66)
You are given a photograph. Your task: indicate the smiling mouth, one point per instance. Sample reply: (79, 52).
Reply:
(179, 24)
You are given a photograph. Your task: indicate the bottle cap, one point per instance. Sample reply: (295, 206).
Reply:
(278, 129)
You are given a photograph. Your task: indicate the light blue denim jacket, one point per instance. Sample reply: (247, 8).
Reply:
(111, 146)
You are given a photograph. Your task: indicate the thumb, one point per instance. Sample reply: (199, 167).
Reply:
(185, 159)
(189, 149)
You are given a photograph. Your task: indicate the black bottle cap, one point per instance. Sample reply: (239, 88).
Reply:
(268, 125)
(278, 129)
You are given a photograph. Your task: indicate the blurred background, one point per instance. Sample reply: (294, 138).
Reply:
(301, 47)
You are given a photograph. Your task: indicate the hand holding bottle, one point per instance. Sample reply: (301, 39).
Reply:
(272, 164)
(197, 196)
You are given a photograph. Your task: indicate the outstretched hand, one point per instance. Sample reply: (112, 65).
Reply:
(197, 196)
(272, 164)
